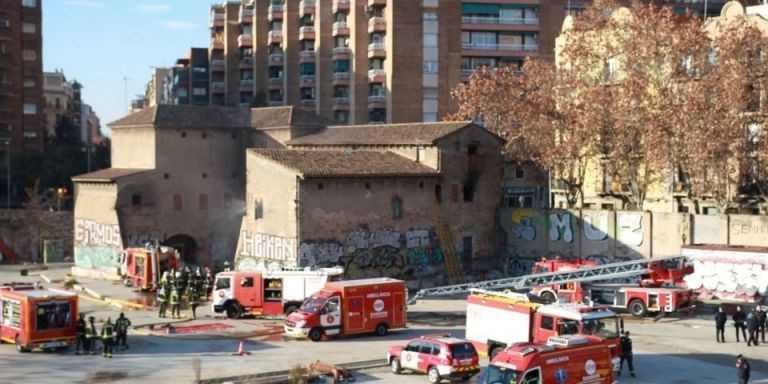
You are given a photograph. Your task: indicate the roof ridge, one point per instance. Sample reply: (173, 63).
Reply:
(401, 124)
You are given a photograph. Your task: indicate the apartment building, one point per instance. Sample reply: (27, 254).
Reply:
(58, 95)
(187, 82)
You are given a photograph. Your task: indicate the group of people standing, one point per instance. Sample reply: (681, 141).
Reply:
(753, 323)
(174, 285)
(110, 335)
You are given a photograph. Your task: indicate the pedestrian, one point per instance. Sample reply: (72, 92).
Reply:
(739, 317)
(626, 354)
(194, 299)
(753, 323)
(91, 336)
(162, 299)
(761, 321)
(121, 324)
(107, 338)
(207, 283)
(175, 304)
(743, 366)
(720, 319)
(80, 342)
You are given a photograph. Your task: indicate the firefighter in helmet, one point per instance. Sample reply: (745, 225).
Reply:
(162, 298)
(81, 342)
(107, 338)
(207, 283)
(91, 336)
(194, 299)
(175, 304)
(121, 324)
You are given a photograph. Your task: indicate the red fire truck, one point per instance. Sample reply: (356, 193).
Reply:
(143, 267)
(572, 359)
(489, 315)
(269, 292)
(33, 317)
(655, 291)
(351, 307)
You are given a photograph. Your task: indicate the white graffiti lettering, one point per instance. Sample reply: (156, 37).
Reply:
(417, 238)
(596, 233)
(91, 233)
(264, 246)
(524, 230)
(558, 222)
(630, 228)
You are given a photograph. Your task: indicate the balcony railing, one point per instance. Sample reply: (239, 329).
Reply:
(276, 59)
(275, 103)
(341, 100)
(245, 14)
(276, 8)
(276, 81)
(307, 102)
(499, 20)
(377, 24)
(376, 47)
(340, 5)
(341, 50)
(246, 82)
(306, 7)
(307, 55)
(275, 36)
(218, 64)
(376, 74)
(217, 85)
(246, 60)
(341, 75)
(340, 28)
(307, 78)
(245, 40)
(217, 43)
(377, 99)
(307, 33)
(500, 47)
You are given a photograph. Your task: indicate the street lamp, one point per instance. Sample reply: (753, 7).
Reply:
(61, 192)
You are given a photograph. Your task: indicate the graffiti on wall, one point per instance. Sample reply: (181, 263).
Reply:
(629, 228)
(97, 245)
(599, 232)
(560, 227)
(266, 247)
(522, 224)
(728, 274)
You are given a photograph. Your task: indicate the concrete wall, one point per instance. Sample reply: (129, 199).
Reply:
(133, 147)
(728, 272)
(97, 241)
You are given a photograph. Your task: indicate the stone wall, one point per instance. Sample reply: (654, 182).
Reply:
(37, 235)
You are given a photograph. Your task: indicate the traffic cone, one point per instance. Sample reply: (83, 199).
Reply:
(241, 351)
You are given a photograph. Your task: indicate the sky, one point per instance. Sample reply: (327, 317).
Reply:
(101, 42)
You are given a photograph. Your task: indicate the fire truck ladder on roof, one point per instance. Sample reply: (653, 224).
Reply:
(602, 272)
(452, 266)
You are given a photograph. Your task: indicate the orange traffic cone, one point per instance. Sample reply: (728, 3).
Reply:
(241, 351)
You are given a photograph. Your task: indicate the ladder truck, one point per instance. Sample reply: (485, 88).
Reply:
(585, 273)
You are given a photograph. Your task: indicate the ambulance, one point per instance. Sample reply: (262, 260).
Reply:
(571, 359)
(33, 317)
(350, 307)
(268, 292)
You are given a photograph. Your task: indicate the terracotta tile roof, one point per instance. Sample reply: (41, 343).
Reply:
(109, 174)
(381, 134)
(284, 116)
(188, 116)
(338, 163)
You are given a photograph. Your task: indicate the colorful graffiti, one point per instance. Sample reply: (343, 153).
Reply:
(98, 257)
(728, 274)
(267, 247)
(97, 245)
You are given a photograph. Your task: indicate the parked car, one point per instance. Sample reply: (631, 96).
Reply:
(439, 356)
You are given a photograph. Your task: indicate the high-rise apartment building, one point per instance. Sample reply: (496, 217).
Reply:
(21, 76)
(188, 81)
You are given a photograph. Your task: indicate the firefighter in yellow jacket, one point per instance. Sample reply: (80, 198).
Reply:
(175, 304)
(107, 338)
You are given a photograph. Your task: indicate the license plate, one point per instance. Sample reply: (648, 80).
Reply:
(53, 344)
(465, 361)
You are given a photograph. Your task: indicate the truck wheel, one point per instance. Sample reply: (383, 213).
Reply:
(315, 334)
(637, 308)
(548, 297)
(395, 366)
(233, 311)
(433, 375)
(291, 309)
(20, 347)
(381, 329)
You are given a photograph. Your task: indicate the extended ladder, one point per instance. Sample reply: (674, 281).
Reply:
(601, 272)
(455, 274)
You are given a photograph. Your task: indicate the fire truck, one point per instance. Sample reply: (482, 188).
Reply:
(656, 290)
(33, 317)
(143, 267)
(571, 359)
(268, 292)
(490, 314)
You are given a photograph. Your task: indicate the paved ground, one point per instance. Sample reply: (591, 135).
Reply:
(674, 350)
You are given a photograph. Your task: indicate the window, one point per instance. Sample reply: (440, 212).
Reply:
(258, 208)
(30, 109)
(30, 134)
(177, 203)
(341, 116)
(609, 69)
(532, 377)
(28, 28)
(136, 200)
(547, 323)
(199, 91)
(429, 349)
(430, 93)
(29, 3)
(199, 70)
(5, 23)
(519, 172)
(29, 55)
(429, 117)
(222, 283)
(246, 282)
(430, 16)
(430, 39)
(55, 315)
(397, 207)
(340, 66)
(413, 347)
(430, 66)
(468, 192)
(202, 201)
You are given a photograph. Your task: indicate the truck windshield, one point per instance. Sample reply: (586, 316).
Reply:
(313, 304)
(498, 375)
(222, 283)
(607, 327)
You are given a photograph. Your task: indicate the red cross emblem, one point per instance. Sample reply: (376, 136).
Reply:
(330, 319)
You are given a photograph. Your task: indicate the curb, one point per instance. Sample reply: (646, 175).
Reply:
(282, 376)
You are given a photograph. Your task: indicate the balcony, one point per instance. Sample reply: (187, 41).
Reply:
(340, 5)
(275, 37)
(306, 56)
(377, 24)
(218, 19)
(307, 33)
(340, 78)
(500, 47)
(217, 65)
(245, 105)
(245, 41)
(246, 85)
(275, 103)
(377, 3)
(377, 76)
(306, 7)
(275, 59)
(308, 102)
(217, 44)
(275, 12)
(307, 81)
(377, 102)
(246, 62)
(340, 53)
(275, 83)
(340, 28)
(466, 73)
(217, 87)
(340, 104)
(499, 21)
(245, 15)
(377, 50)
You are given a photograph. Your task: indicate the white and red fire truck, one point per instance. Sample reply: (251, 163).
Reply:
(143, 267)
(33, 317)
(655, 291)
(497, 320)
(572, 359)
(269, 292)
(351, 307)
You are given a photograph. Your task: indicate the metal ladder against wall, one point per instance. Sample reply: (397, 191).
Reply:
(455, 274)
(601, 272)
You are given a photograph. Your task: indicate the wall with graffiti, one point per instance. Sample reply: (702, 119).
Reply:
(97, 245)
(735, 273)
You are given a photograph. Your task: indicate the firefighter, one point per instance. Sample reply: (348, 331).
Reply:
(91, 336)
(172, 278)
(162, 297)
(626, 354)
(69, 281)
(164, 281)
(121, 324)
(753, 323)
(107, 338)
(197, 280)
(738, 321)
(743, 367)
(720, 319)
(207, 283)
(175, 304)
(183, 279)
(81, 342)
(761, 320)
(194, 299)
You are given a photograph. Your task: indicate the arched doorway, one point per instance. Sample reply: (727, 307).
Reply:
(186, 246)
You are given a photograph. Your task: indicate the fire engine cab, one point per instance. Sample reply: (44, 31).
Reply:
(144, 266)
(496, 320)
(571, 359)
(34, 317)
